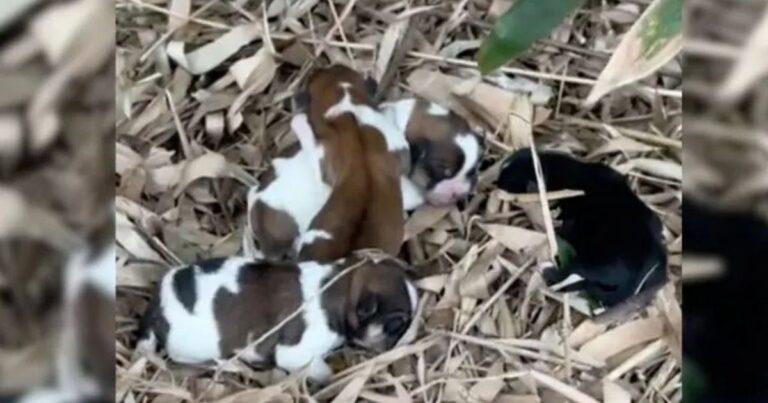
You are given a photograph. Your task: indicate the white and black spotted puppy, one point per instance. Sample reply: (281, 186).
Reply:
(212, 309)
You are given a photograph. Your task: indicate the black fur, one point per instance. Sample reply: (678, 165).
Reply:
(153, 320)
(726, 317)
(184, 287)
(211, 265)
(617, 239)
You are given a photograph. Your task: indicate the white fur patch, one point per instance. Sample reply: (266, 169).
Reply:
(193, 337)
(437, 109)
(470, 146)
(412, 196)
(148, 344)
(299, 173)
(310, 237)
(368, 116)
(400, 112)
(318, 339)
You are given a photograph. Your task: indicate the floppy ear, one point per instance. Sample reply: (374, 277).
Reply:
(371, 86)
(300, 101)
(356, 296)
(419, 150)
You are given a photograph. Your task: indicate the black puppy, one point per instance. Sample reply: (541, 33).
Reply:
(726, 315)
(619, 251)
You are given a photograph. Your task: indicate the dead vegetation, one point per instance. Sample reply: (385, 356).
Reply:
(201, 98)
(726, 104)
(56, 146)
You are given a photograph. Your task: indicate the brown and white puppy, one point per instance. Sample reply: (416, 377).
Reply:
(340, 189)
(212, 309)
(445, 152)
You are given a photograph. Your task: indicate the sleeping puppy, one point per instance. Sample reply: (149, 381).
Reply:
(617, 239)
(212, 309)
(728, 304)
(445, 152)
(347, 173)
(276, 217)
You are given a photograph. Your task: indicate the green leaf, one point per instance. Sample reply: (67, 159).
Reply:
(694, 381)
(524, 23)
(654, 39)
(565, 252)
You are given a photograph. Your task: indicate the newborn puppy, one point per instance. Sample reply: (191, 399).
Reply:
(284, 211)
(619, 250)
(445, 152)
(347, 174)
(210, 310)
(276, 217)
(727, 305)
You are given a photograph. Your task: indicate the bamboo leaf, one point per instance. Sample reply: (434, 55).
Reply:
(654, 39)
(524, 23)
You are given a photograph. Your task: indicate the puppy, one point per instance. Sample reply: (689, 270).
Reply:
(351, 173)
(276, 217)
(445, 152)
(210, 310)
(728, 305)
(619, 249)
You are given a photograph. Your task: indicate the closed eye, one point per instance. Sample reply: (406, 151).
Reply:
(395, 326)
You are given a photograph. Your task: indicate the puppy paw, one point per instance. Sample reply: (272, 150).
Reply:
(318, 371)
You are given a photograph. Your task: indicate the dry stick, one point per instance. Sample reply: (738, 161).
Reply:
(494, 297)
(186, 19)
(552, 241)
(185, 147)
(631, 133)
(566, 390)
(544, 76)
(170, 33)
(338, 20)
(337, 25)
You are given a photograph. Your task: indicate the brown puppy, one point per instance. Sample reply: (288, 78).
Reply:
(339, 191)
(445, 152)
(222, 303)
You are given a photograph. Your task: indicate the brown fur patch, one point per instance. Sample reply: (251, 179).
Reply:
(269, 292)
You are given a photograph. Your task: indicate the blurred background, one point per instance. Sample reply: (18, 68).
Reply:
(56, 190)
(726, 201)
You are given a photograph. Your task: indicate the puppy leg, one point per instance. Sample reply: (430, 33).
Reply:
(319, 371)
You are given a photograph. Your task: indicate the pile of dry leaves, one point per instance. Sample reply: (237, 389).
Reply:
(56, 184)
(202, 90)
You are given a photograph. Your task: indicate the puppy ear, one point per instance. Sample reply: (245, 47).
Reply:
(419, 150)
(371, 86)
(300, 101)
(357, 293)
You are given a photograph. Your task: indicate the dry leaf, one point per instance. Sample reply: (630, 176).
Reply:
(751, 64)
(653, 40)
(423, 218)
(256, 71)
(613, 393)
(207, 57)
(516, 239)
(178, 14)
(661, 168)
(623, 337)
(20, 219)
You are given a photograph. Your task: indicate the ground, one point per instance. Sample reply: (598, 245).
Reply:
(198, 124)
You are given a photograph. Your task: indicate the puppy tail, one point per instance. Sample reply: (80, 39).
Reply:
(153, 328)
